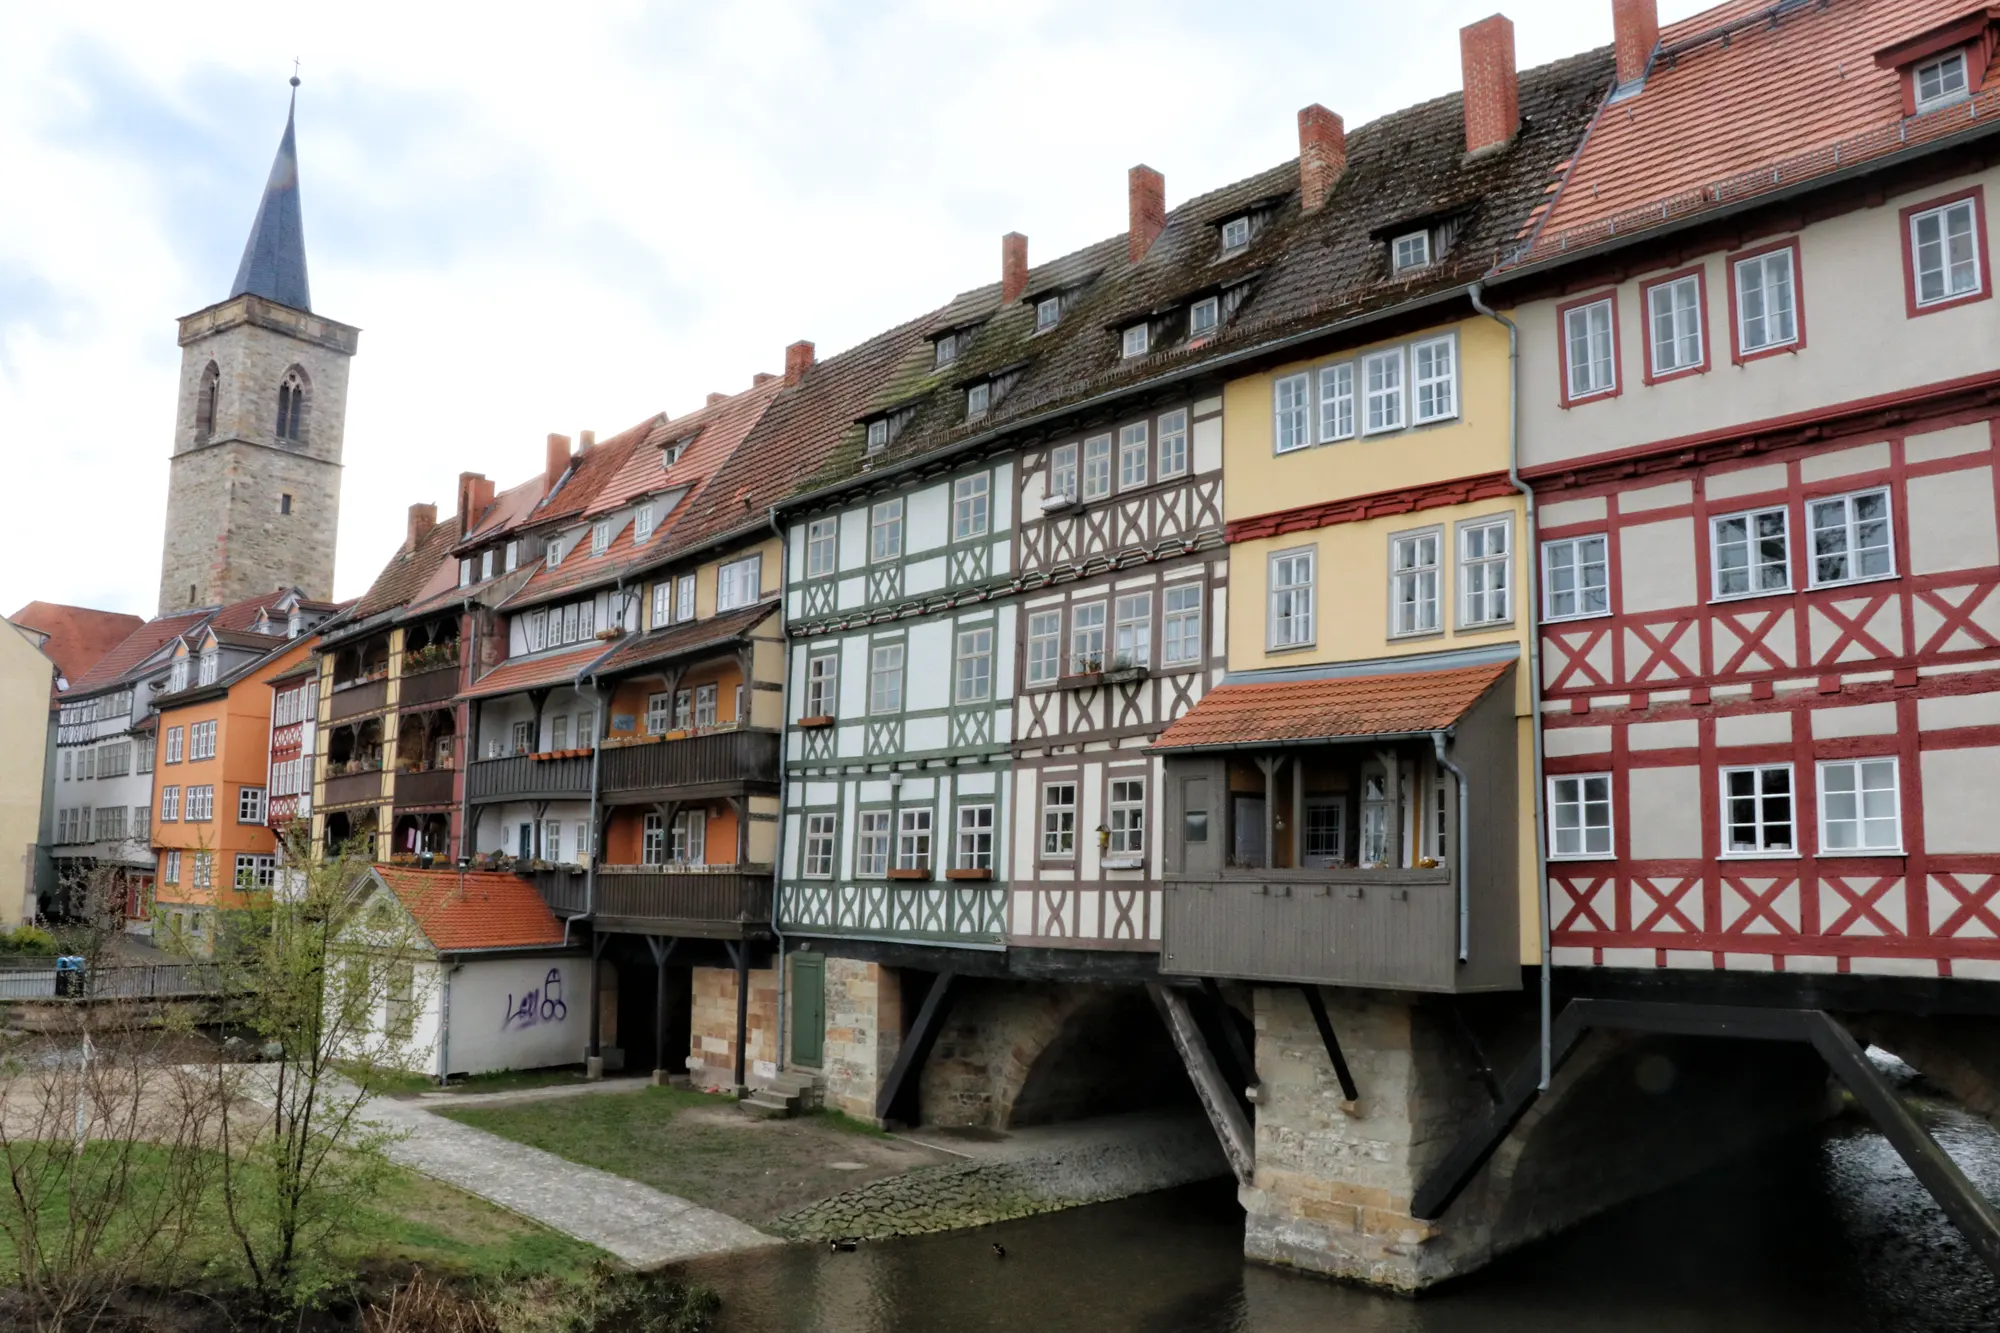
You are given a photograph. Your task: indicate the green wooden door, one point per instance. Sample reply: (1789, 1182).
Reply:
(808, 1009)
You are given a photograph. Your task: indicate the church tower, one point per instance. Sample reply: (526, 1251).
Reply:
(254, 492)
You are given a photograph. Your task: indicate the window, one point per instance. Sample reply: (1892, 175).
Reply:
(1858, 806)
(485, 565)
(819, 847)
(1047, 311)
(204, 871)
(970, 506)
(878, 435)
(255, 872)
(1132, 632)
(659, 712)
(1575, 579)
(1128, 817)
(1203, 316)
(1412, 250)
(1413, 583)
(690, 838)
(1173, 443)
(736, 583)
(1181, 625)
(822, 546)
(975, 837)
(1580, 815)
(977, 399)
(1097, 467)
(171, 872)
(1673, 326)
(822, 685)
(1751, 554)
(142, 822)
(250, 805)
(570, 624)
(200, 804)
(684, 597)
(1485, 551)
(513, 559)
(886, 530)
(211, 662)
(1336, 402)
(67, 756)
(284, 502)
(1062, 470)
(1382, 379)
(885, 678)
(552, 840)
(663, 602)
(1134, 453)
(1757, 810)
(653, 842)
(1235, 234)
(146, 744)
(1590, 361)
(947, 350)
(1323, 834)
(559, 732)
(201, 741)
(1133, 341)
(913, 840)
(642, 525)
(1940, 81)
(465, 573)
(170, 804)
(1291, 613)
(1288, 414)
(704, 705)
(1851, 538)
(1434, 369)
(683, 709)
(1044, 647)
(1086, 639)
(581, 840)
(292, 403)
(975, 665)
(872, 854)
(1944, 253)
(555, 553)
(1766, 302)
(1059, 819)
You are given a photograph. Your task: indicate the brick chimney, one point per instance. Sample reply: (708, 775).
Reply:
(1146, 197)
(715, 398)
(422, 519)
(557, 464)
(761, 378)
(798, 360)
(475, 492)
(1492, 96)
(1322, 155)
(1636, 28)
(1013, 267)
(586, 440)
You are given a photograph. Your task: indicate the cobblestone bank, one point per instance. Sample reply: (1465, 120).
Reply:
(937, 1198)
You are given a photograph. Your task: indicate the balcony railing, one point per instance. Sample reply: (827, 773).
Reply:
(432, 786)
(713, 762)
(429, 687)
(526, 777)
(724, 903)
(350, 788)
(356, 698)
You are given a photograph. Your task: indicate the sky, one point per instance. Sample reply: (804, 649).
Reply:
(567, 217)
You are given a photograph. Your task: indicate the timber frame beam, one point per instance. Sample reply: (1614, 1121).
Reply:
(916, 1047)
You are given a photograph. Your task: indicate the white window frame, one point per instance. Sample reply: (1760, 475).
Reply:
(1336, 402)
(1384, 409)
(946, 346)
(1086, 638)
(250, 805)
(1434, 380)
(170, 804)
(1683, 320)
(642, 525)
(1291, 413)
(1753, 568)
(513, 560)
(1131, 642)
(172, 872)
(1173, 443)
(873, 843)
(738, 583)
(822, 685)
(1485, 577)
(978, 398)
(1578, 567)
(1063, 470)
(1946, 65)
(1048, 313)
(684, 597)
(653, 840)
(1856, 767)
(1204, 316)
(1044, 647)
(1762, 266)
(885, 531)
(1849, 530)
(1416, 583)
(600, 536)
(1594, 373)
(707, 703)
(1135, 454)
(913, 838)
(817, 861)
(1180, 623)
(878, 435)
(1942, 215)
(971, 507)
(1579, 799)
(885, 678)
(972, 669)
(1759, 796)
(1126, 810)
(1411, 251)
(173, 745)
(659, 713)
(822, 547)
(1133, 340)
(1097, 467)
(1297, 609)
(973, 840)
(687, 840)
(1235, 234)
(1058, 841)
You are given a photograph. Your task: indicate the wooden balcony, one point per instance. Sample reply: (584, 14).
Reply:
(367, 696)
(354, 788)
(716, 763)
(431, 787)
(562, 890)
(524, 777)
(437, 682)
(725, 903)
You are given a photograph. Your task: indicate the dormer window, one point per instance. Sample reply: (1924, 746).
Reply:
(177, 679)
(485, 565)
(600, 536)
(465, 572)
(672, 453)
(1411, 251)
(642, 524)
(878, 435)
(1203, 316)
(1941, 81)
(1235, 234)
(1134, 340)
(211, 663)
(947, 349)
(1047, 311)
(513, 555)
(555, 552)
(977, 399)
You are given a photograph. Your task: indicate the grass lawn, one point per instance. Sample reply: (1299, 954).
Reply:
(702, 1148)
(393, 1083)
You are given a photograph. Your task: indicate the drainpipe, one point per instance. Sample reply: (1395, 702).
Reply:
(1459, 858)
(1533, 608)
(444, 1024)
(784, 705)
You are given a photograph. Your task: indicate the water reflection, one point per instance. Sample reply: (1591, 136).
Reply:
(1827, 1233)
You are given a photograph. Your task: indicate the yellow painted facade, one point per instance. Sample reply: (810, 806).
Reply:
(768, 663)
(25, 675)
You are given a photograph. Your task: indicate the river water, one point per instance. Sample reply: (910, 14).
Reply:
(1824, 1233)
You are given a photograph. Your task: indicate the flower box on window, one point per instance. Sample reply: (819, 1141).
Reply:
(910, 874)
(961, 874)
(818, 720)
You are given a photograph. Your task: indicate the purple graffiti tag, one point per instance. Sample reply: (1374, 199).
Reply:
(537, 1006)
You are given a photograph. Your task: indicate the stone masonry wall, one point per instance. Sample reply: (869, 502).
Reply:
(712, 1028)
(988, 1045)
(864, 1030)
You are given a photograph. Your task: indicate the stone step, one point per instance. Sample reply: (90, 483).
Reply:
(767, 1105)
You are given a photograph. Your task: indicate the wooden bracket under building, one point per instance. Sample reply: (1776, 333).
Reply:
(1232, 1126)
(916, 1047)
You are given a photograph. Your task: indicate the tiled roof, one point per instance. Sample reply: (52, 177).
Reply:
(409, 570)
(1720, 119)
(679, 640)
(478, 909)
(589, 472)
(534, 672)
(507, 510)
(75, 637)
(135, 648)
(1393, 704)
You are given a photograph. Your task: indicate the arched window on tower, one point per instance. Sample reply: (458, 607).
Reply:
(204, 403)
(292, 406)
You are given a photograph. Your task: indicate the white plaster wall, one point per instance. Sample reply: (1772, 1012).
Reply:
(1665, 813)
(495, 1024)
(1951, 522)
(1958, 800)
(1656, 561)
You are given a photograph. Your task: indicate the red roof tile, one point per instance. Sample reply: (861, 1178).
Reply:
(678, 640)
(75, 637)
(479, 909)
(135, 648)
(534, 672)
(1393, 704)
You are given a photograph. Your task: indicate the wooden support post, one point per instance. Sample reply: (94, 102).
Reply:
(1270, 765)
(1232, 1126)
(916, 1047)
(1225, 1018)
(739, 953)
(593, 1064)
(661, 949)
(1317, 1003)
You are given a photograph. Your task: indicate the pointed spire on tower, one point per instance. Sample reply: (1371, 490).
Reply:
(274, 259)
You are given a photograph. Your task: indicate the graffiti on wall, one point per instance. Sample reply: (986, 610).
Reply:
(539, 1005)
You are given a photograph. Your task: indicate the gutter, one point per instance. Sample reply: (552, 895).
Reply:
(1533, 615)
(1459, 858)
(784, 712)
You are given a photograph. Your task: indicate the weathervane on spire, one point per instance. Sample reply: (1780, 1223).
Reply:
(295, 71)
